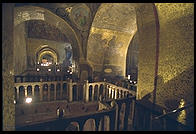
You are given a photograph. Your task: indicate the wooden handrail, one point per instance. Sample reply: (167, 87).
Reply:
(173, 111)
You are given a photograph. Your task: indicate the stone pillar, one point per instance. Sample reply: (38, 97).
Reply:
(70, 90)
(86, 91)
(115, 94)
(17, 91)
(106, 92)
(93, 93)
(25, 89)
(98, 88)
(33, 90)
(41, 92)
(8, 107)
(55, 91)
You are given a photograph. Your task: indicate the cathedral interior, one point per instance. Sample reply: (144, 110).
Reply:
(98, 66)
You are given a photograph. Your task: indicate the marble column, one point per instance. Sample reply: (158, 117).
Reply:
(86, 91)
(70, 91)
(8, 106)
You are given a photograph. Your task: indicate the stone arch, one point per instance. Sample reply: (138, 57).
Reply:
(52, 92)
(89, 125)
(143, 19)
(46, 50)
(37, 93)
(73, 126)
(21, 94)
(29, 90)
(26, 13)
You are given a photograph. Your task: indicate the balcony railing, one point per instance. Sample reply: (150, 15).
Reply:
(106, 119)
(68, 90)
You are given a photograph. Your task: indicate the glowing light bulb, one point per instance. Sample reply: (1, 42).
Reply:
(28, 100)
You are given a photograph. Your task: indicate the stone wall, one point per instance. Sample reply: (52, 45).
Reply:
(20, 49)
(146, 48)
(8, 107)
(176, 57)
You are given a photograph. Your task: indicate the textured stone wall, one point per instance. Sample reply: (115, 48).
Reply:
(20, 49)
(146, 49)
(176, 57)
(43, 30)
(8, 107)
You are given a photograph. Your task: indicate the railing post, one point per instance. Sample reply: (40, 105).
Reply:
(86, 91)
(17, 90)
(41, 92)
(98, 92)
(25, 89)
(93, 93)
(33, 90)
(70, 90)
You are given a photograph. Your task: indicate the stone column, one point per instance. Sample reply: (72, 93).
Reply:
(115, 94)
(17, 91)
(86, 91)
(33, 90)
(93, 93)
(98, 92)
(70, 90)
(25, 89)
(41, 92)
(8, 106)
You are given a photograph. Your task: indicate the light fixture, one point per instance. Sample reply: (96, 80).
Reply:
(129, 77)
(134, 82)
(49, 69)
(28, 100)
(58, 70)
(70, 73)
(38, 69)
(14, 101)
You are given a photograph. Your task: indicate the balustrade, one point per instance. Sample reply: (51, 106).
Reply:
(56, 90)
